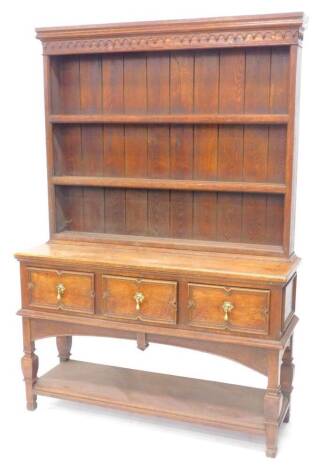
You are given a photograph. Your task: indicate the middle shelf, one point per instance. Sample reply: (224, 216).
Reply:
(190, 118)
(175, 184)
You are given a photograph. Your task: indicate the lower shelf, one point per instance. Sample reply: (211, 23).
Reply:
(193, 400)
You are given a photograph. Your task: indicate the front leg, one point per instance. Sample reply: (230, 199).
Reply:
(29, 365)
(272, 404)
(64, 344)
(287, 372)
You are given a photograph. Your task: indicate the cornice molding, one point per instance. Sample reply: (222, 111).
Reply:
(195, 34)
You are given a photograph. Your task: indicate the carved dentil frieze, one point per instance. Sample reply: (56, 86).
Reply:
(176, 41)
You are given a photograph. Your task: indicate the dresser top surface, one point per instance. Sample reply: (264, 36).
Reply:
(229, 266)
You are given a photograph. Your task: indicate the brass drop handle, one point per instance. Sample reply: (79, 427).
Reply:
(139, 298)
(60, 291)
(227, 307)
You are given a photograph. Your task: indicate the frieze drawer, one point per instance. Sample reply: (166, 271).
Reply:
(228, 308)
(126, 298)
(60, 290)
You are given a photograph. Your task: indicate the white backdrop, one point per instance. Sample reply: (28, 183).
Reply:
(60, 434)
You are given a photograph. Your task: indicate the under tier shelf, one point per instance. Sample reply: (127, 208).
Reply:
(165, 184)
(192, 400)
(169, 118)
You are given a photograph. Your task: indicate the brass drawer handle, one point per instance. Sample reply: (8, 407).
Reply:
(139, 298)
(227, 307)
(60, 291)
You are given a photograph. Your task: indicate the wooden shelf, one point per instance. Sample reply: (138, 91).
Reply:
(183, 185)
(170, 242)
(169, 118)
(190, 400)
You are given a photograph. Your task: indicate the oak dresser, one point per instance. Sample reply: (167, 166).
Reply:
(171, 154)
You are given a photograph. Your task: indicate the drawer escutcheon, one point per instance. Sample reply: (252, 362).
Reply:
(227, 307)
(139, 298)
(60, 291)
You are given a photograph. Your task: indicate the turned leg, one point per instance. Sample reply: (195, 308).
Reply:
(64, 344)
(29, 365)
(287, 372)
(272, 404)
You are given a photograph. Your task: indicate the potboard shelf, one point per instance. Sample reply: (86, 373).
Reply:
(191, 400)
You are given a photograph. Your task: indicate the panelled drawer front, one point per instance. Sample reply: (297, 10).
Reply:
(139, 299)
(229, 308)
(61, 290)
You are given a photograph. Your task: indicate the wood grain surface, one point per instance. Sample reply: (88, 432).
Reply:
(171, 150)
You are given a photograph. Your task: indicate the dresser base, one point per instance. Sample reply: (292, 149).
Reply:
(235, 407)
(204, 402)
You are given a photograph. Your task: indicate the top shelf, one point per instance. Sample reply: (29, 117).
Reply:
(169, 118)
